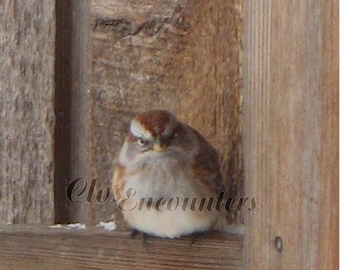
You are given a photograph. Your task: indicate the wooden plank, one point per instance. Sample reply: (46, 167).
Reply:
(27, 35)
(329, 157)
(93, 248)
(291, 134)
(183, 56)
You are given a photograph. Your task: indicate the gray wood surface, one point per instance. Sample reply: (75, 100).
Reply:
(27, 35)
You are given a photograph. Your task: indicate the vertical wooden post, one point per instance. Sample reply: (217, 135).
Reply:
(27, 38)
(291, 133)
(72, 106)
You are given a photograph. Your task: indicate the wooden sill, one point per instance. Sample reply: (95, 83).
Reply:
(30, 247)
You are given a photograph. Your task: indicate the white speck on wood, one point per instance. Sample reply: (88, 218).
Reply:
(108, 226)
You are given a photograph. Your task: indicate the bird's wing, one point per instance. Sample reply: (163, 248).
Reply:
(207, 165)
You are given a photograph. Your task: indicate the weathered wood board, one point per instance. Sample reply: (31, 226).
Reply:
(291, 134)
(27, 44)
(45, 248)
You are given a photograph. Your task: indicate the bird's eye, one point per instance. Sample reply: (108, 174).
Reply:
(141, 141)
(173, 136)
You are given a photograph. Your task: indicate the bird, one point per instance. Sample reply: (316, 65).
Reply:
(167, 177)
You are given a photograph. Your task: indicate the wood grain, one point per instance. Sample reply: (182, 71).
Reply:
(291, 134)
(328, 219)
(183, 56)
(94, 248)
(27, 43)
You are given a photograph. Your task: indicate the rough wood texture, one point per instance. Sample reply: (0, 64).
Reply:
(291, 134)
(184, 56)
(93, 248)
(27, 118)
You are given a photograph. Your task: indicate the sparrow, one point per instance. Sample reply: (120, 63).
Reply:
(167, 177)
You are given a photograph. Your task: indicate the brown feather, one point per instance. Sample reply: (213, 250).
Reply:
(155, 121)
(207, 165)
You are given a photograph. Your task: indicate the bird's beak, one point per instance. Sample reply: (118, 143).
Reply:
(158, 145)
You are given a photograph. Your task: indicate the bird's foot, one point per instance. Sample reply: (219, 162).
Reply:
(135, 232)
(195, 236)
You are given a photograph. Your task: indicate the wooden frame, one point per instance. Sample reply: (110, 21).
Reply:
(290, 138)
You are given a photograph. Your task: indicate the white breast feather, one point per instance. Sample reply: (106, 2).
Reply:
(163, 178)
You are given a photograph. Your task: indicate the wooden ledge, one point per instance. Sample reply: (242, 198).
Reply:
(30, 247)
